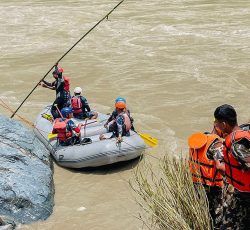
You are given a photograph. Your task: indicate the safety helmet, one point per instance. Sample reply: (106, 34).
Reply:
(78, 90)
(60, 70)
(120, 104)
(66, 111)
(120, 99)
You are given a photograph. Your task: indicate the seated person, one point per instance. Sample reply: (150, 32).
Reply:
(114, 114)
(80, 106)
(68, 132)
(121, 125)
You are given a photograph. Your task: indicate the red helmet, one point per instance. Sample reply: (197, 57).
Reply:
(60, 70)
(120, 104)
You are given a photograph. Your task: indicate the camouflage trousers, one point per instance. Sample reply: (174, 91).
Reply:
(214, 196)
(236, 210)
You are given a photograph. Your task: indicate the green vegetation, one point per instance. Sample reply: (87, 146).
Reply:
(167, 196)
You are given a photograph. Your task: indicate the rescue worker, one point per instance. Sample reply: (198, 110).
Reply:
(80, 106)
(205, 161)
(68, 132)
(114, 114)
(61, 85)
(237, 168)
(120, 126)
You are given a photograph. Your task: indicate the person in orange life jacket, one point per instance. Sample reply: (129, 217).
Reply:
(61, 85)
(237, 168)
(205, 157)
(68, 132)
(80, 106)
(114, 114)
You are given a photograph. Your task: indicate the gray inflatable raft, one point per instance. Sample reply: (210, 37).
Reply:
(93, 153)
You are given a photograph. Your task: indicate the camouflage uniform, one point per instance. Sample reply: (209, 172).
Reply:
(236, 214)
(236, 210)
(214, 196)
(215, 193)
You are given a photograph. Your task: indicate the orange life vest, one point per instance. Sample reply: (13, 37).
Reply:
(203, 169)
(60, 128)
(235, 174)
(66, 83)
(76, 104)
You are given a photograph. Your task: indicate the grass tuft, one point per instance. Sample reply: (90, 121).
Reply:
(167, 196)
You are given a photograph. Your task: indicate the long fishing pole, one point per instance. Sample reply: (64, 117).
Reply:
(106, 16)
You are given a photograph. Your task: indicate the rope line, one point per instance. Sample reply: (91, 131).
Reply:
(4, 105)
(106, 16)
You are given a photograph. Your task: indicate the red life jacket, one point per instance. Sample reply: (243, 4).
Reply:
(60, 128)
(235, 174)
(66, 83)
(76, 104)
(202, 168)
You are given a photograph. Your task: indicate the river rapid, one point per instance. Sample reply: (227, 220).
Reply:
(174, 61)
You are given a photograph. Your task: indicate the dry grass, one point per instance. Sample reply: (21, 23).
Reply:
(168, 198)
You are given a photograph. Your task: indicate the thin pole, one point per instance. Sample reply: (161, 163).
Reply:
(106, 16)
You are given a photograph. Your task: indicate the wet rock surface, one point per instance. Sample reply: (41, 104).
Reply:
(26, 175)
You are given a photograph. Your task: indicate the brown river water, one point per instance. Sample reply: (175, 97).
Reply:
(174, 61)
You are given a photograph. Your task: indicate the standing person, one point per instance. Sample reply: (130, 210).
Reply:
(237, 168)
(61, 85)
(114, 114)
(68, 132)
(205, 157)
(80, 106)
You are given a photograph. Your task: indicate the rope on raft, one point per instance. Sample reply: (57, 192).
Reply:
(4, 105)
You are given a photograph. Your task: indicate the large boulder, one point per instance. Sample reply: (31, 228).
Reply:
(26, 175)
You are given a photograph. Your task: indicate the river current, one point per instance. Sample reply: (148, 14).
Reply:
(174, 61)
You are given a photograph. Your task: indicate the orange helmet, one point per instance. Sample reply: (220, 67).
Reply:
(120, 104)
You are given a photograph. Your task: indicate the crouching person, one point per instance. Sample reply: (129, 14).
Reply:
(114, 114)
(68, 132)
(122, 124)
(206, 165)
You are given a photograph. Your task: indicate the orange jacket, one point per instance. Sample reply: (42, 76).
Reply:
(60, 128)
(235, 174)
(203, 169)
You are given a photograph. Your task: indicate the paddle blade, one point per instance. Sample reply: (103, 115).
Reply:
(152, 142)
(52, 135)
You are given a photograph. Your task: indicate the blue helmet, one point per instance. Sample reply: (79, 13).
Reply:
(120, 99)
(66, 111)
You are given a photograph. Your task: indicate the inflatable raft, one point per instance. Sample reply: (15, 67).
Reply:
(92, 151)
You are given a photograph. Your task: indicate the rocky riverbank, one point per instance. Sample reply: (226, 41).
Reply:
(26, 175)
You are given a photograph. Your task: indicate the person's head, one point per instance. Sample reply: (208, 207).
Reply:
(120, 99)
(120, 106)
(67, 112)
(225, 118)
(77, 90)
(57, 72)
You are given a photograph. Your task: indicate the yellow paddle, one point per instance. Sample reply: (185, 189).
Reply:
(52, 135)
(151, 141)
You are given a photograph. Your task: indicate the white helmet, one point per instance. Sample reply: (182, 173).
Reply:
(78, 90)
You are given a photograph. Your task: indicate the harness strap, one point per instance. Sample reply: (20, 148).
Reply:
(200, 163)
(232, 179)
(207, 178)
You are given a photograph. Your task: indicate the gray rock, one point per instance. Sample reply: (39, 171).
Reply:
(26, 175)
